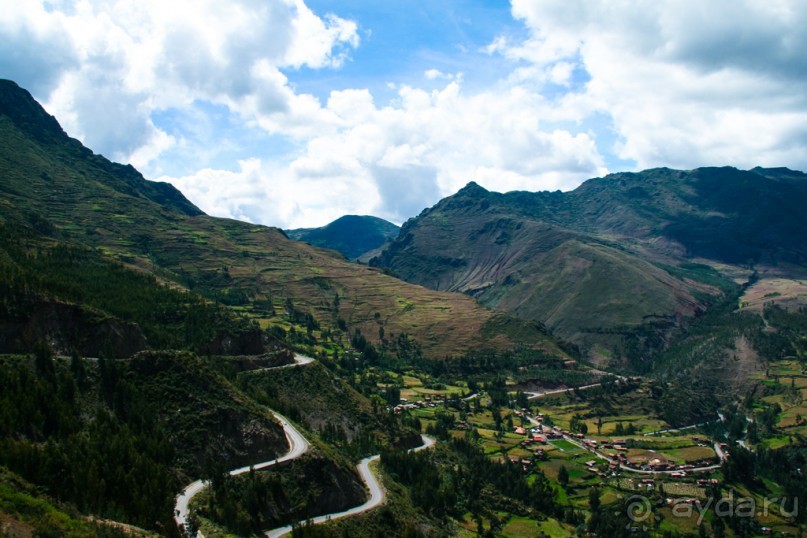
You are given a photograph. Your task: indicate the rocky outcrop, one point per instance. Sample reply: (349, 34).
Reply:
(66, 327)
(253, 342)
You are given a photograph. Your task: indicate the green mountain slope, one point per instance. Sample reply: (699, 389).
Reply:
(609, 265)
(352, 235)
(55, 188)
(722, 214)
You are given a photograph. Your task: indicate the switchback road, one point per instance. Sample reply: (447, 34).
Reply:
(377, 494)
(297, 447)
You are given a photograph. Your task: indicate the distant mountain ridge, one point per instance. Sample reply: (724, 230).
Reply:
(352, 235)
(615, 265)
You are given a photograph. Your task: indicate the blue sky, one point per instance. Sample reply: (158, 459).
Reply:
(293, 113)
(401, 40)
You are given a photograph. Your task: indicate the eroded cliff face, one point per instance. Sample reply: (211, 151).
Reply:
(66, 327)
(253, 342)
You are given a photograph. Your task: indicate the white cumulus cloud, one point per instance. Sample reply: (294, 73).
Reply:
(395, 160)
(685, 83)
(104, 67)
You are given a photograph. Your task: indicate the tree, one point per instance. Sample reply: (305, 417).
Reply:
(521, 400)
(563, 476)
(43, 359)
(740, 467)
(594, 499)
(718, 527)
(78, 369)
(578, 424)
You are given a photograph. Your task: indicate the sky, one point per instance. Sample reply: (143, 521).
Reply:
(292, 113)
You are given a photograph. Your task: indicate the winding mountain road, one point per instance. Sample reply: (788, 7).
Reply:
(377, 494)
(533, 395)
(298, 446)
(299, 360)
(674, 430)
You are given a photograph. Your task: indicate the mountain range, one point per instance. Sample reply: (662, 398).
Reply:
(619, 264)
(61, 192)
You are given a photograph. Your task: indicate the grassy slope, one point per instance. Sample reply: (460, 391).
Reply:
(204, 412)
(397, 517)
(315, 395)
(272, 268)
(319, 482)
(79, 299)
(58, 187)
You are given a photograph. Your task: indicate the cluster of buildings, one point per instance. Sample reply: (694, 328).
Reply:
(526, 464)
(420, 404)
(613, 466)
(679, 471)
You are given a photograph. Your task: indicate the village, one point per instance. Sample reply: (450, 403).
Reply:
(612, 454)
(630, 451)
